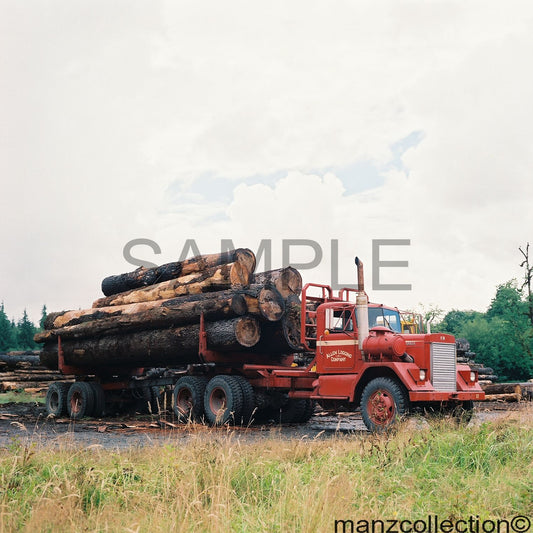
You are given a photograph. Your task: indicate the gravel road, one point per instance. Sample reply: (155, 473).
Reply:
(28, 424)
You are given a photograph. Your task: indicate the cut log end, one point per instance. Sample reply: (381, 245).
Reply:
(247, 331)
(271, 304)
(240, 275)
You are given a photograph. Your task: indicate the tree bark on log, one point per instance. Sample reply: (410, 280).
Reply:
(287, 281)
(159, 347)
(14, 361)
(510, 397)
(209, 280)
(266, 304)
(145, 315)
(263, 302)
(143, 277)
(282, 337)
(30, 377)
(502, 388)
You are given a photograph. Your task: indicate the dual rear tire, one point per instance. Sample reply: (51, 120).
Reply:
(78, 400)
(220, 400)
(229, 400)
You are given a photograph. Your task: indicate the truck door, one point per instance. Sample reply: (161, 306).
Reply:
(337, 339)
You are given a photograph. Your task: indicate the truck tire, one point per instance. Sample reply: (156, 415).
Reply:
(188, 398)
(56, 399)
(99, 399)
(248, 401)
(223, 400)
(309, 410)
(80, 400)
(384, 400)
(297, 411)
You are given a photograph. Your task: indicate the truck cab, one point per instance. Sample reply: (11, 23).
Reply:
(365, 357)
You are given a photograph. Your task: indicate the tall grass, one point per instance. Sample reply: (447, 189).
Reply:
(214, 482)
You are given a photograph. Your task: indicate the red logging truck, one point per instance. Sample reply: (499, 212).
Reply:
(355, 356)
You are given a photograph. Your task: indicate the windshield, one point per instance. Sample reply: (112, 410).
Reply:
(381, 316)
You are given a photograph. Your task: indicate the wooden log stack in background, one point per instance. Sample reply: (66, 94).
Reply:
(23, 371)
(150, 317)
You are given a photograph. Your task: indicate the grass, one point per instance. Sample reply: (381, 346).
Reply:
(21, 397)
(215, 483)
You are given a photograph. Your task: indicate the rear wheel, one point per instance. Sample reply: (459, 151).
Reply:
(99, 399)
(248, 400)
(80, 400)
(56, 399)
(383, 402)
(188, 398)
(223, 400)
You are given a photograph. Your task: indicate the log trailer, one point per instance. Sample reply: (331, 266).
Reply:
(354, 355)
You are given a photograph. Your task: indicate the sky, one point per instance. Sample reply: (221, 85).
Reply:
(266, 123)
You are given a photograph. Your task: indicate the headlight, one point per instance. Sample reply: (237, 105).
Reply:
(472, 377)
(422, 375)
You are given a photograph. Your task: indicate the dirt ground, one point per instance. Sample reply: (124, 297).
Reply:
(28, 424)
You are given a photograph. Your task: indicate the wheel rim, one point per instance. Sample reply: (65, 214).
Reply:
(184, 402)
(54, 401)
(75, 403)
(381, 408)
(217, 400)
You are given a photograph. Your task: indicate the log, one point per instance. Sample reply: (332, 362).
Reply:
(15, 360)
(27, 386)
(267, 304)
(286, 280)
(143, 277)
(512, 397)
(159, 347)
(282, 337)
(209, 280)
(502, 388)
(32, 377)
(145, 316)
(264, 302)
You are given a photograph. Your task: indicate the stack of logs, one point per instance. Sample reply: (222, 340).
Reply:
(151, 317)
(486, 374)
(494, 392)
(22, 371)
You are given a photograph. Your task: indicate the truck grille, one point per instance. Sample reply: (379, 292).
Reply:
(443, 366)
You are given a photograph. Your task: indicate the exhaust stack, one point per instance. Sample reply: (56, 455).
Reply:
(361, 305)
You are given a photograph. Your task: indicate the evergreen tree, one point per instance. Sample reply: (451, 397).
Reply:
(14, 334)
(26, 330)
(43, 317)
(6, 333)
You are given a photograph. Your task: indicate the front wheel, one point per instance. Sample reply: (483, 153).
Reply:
(383, 402)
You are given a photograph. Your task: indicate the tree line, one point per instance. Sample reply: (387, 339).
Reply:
(502, 337)
(18, 335)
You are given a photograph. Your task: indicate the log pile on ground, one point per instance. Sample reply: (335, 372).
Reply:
(22, 371)
(508, 392)
(486, 375)
(151, 317)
